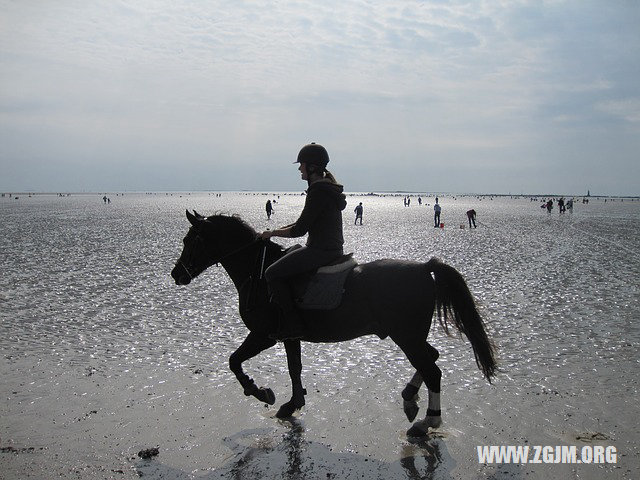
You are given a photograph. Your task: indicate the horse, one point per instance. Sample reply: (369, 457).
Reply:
(387, 298)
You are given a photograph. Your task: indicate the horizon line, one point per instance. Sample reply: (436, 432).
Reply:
(298, 192)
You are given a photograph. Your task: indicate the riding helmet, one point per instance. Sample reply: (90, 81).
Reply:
(313, 154)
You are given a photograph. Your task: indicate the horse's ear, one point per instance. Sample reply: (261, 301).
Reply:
(198, 216)
(192, 219)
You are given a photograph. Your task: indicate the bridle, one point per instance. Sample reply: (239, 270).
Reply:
(198, 238)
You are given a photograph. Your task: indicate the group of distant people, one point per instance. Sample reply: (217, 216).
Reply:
(562, 205)
(359, 210)
(407, 201)
(437, 210)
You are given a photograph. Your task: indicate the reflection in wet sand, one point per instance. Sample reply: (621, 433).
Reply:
(263, 454)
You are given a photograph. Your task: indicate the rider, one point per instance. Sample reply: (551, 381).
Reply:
(321, 218)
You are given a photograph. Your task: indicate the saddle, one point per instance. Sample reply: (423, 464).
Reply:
(323, 289)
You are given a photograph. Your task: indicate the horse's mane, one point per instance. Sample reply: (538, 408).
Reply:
(240, 227)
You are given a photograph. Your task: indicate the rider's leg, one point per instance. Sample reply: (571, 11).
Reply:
(290, 323)
(295, 262)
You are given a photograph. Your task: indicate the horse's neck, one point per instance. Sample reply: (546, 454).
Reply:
(238, 269)
(252, 263)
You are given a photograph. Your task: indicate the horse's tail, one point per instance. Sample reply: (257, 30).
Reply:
(454, 303)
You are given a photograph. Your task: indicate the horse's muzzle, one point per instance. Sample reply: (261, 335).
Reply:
(180, 275)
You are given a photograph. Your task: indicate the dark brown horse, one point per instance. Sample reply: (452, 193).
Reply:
(387, 298)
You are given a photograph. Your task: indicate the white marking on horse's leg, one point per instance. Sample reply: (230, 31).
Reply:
(410, 397)
(434, 403)
(416, 380)
(410, 392)
(432, 420)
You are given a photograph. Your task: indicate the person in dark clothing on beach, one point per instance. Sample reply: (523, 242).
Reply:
(471, 216)
(321, 218)
(269, 209)
(358, 211)
(436, 214)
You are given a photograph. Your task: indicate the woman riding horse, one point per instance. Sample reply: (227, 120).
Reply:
(321, 218)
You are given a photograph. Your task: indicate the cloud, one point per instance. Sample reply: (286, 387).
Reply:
(236, 84)
(628, 110)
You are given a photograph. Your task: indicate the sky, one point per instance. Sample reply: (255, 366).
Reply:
(482, 96)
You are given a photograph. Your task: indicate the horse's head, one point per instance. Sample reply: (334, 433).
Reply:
(209, 240)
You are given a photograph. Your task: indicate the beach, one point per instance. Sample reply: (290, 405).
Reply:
(104, 357)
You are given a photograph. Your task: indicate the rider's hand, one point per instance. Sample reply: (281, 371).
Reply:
(266, 235)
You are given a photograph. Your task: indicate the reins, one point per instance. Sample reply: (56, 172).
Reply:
(238, 250)
(230, 254)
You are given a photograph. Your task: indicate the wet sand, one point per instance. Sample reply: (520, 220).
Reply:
(103, 357)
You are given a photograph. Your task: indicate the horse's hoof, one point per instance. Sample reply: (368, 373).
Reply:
(286, 410)
(411, 410)
(421, 428)
(410, 393)
(416, 431)
(265, 395)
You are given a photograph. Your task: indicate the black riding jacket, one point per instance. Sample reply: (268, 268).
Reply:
(321, 216)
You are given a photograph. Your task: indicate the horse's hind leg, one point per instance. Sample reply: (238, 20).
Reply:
(410, 396)
(410, 393)
(423, 358)
(252, 346)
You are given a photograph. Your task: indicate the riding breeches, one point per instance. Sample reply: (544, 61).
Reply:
(303, 259)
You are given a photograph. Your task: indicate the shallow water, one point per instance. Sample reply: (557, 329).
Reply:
(86, 297)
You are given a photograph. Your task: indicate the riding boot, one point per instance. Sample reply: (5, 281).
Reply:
(289, 321)
(289, 326)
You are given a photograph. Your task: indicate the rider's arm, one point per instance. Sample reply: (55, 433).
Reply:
(279, 232)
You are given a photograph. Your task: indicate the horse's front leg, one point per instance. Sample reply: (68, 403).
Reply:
(252, 346)
(294, 362)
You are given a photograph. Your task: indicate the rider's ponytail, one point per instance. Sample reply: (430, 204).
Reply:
(328, 175)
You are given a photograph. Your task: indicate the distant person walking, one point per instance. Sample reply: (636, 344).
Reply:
(561, 205)
(269, 209)
(358, 211)
(550, 205)
(436, 214)
(570, 205)
(471, 216)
